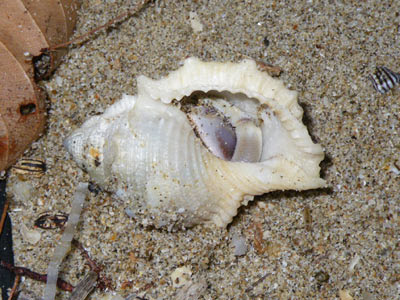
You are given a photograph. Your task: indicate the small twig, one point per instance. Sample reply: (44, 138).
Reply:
(3, 215)
(21, 271)
(258, 238)
(81, 38)
(258, 281)
(15, 287)
(92, 264)
(103, 281)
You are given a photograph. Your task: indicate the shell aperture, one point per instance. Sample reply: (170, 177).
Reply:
(226, 131)
(194, 146)
(216, 134)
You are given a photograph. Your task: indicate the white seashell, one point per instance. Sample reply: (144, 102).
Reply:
(153, 149)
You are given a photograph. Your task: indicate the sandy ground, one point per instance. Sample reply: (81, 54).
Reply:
(342, 242)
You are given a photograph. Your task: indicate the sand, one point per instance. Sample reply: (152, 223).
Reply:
(342, 242)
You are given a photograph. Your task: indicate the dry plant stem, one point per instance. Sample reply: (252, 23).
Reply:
(258, 281)
(15, 287)
(3, 216)
(104, 282)
(258, 238)
(82, 38)
(92, 264)
(21, 271)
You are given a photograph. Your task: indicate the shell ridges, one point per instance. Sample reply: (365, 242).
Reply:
(145, 149)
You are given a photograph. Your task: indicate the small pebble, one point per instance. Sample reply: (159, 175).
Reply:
(239, 243)
(354, 262)
(32, 236)
(192, 290)
(180, 276)
(130, 213)
(266, 42)
(94, 188)
(321, 277)
(195, 22)
(367, 296)
(23, 191)
(344, 295)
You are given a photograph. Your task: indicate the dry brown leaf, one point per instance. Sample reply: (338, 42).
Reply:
(22, 113)
(26, 28)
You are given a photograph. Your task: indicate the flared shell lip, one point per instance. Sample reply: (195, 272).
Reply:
(243, 78)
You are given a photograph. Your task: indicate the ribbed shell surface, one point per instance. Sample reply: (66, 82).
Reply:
(144, 149)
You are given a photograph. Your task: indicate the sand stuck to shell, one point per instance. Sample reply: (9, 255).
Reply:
(194, 146)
